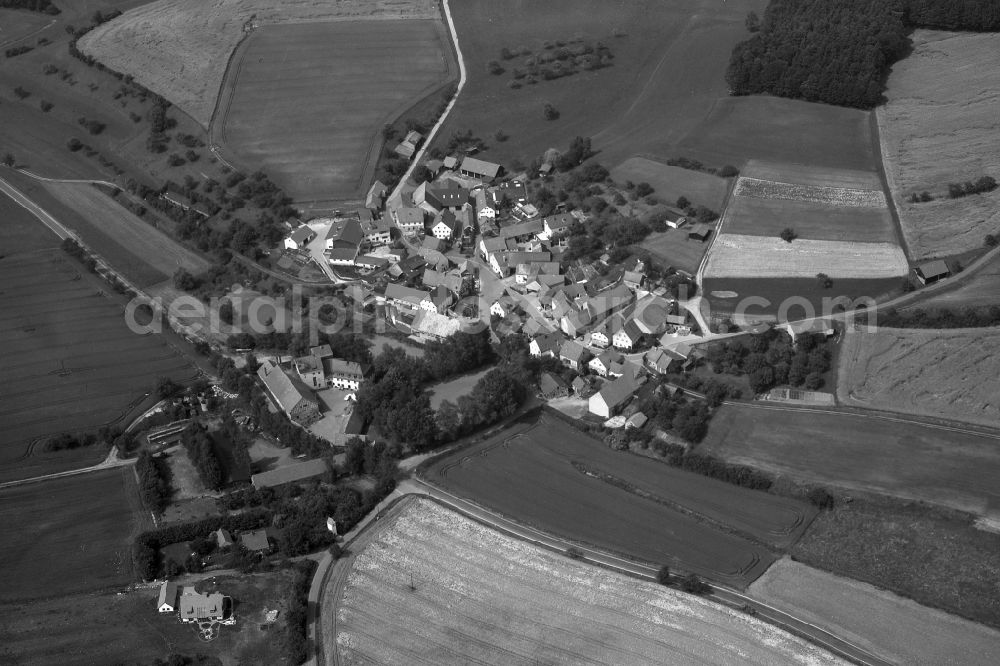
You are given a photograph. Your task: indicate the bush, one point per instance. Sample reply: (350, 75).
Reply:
(45, 105)
(728, 171)
(788, 234)
(694, 585)
(643, 189)
(663, 575)
(550, 112)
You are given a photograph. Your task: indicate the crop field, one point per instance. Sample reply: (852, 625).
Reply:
(184, 60)
(832, 196)
(934, 556)
(548, 474)
(671, 182)
(804, 174)
(70, 361)
(782, 130)
(21, 231)
(768, 217)
(790, 296)
(71, 534)
(939, 128)
(739, 255)
(112, 628)
(131, 245)
(16, 25)
(482, 597)
(673, 248)
(949, 373)
(632, 107)
(308, 101)
(893, 627)
(953, 468)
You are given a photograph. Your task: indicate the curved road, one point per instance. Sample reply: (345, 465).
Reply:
(333, 578)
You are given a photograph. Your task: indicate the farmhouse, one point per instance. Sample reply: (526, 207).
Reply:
(659, 361)
(932, 271)
(572, 354)
(626, 334)
(299, 238)
(300, 471)
(408, 220)
(375, 199)
(700, 232)
(602, 364)
(404, 297)
(446, 195)
(196, 607)
(553, 386)
(377, 230)
(613, 396)
(343, 240)
(599, 337)
(167, 601)
(291, 396)
(503, 306)
(523, 231)
(446, 226)
(546, 344)
(480, 169)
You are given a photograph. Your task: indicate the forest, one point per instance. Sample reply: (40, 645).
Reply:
(841, 52)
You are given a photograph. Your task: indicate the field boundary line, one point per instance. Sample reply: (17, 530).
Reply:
(886, 178)
(398, 191)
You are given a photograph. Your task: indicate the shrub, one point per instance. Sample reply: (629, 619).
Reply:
(728, 171)
(550, 112)
(74, 144)
(663, 575)
(788, 234)
(21, 93)
(45, 105)
(694, 585)
(990, 240)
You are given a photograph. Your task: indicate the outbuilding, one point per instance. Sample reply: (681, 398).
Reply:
(932, 271)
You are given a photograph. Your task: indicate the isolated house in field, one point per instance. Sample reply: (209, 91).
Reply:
(375, 199)
(572, 354)
(932, 271)
(408, 220)
(299, 238)
(481, 169)
(552, 386)
(291, 396)
(700, 232)
(613, 396)
(300, 471)
(167, 601)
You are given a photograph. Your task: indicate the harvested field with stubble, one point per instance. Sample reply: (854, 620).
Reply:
(70, 535)
(738, 255)
(307, 102)
(938, 127)
(71, 363)
(893, 627)
(949, 373)
(956, 468)
(179, 48)
(671, 182)
(483, 597)
(543, 472)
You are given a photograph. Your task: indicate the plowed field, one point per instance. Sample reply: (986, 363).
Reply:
(481, 597)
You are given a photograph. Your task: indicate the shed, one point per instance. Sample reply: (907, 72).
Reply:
(932, 271)
(167, 601)
(700, 232)
(553, 386)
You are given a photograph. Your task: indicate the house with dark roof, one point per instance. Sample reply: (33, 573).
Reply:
(513, 191)
(700, 232)
(300, 471)
(481, 169)
(166, 602)
(552, 386)
(408, 220)
(573, 354)
(343, 240)
(451, 197)
(614, 395)
(375, 199)
(554, 225)
(602, 364)
(376, 230)
(400, 296)
(674, 218)
(659, 361)
(522, 231)
(626, 334)
(446, 226)
(932, 271)
(546, 344)
(289, 395)
(299, 238)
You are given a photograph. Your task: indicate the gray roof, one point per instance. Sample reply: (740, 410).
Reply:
(402, 293)
(256, 540)
(933, 269)
(481, 167)
(280, 385)
(530, 227)
(303, 234)
(306, 469)
(617, 392)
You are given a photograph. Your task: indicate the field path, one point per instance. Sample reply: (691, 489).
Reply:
(110, 462)
(397, 193)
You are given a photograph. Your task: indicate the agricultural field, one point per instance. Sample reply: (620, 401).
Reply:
(980, 290)
(949, 373)
(673, 248)
(815, 176)
(953, 468)
(71, 362)
(546, 473)
(21, 231)
(184, 60)
(821, 194)
(793, 294)
(769, 217)
(671, 182)
(17, 27)
(481, 596)
(71, 534)
(630, 108)
(939, 128)
(126, 629)
(307, 102)
(937, 557)
(740, 255)
(893, 627)
(781, 130)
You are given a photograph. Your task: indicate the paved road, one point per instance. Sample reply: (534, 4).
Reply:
(110, 462)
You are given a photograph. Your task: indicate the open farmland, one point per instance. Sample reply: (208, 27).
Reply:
(129, 244)
(739, 255)
(180, 48)
(17, 27)
(939, 127)
(673, 248)
(71, 534)
(898, 629)
(671, 182)
(784, 131)
(788, 296)
(21, 231)
(483, 597)
(815, 176)
(632, 107)
(307, 102)
(71, 363)
(949, 373)
(821, 194)
(545, 473)
(979, 290)
(943, 465)
(768, 217)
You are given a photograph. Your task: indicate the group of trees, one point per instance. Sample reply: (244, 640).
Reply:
(43, 6)
(980, 186)
(555, 60)
(726, 171)
(685, 417)
(770, 359)
(200, 448)
(154, 488)
(940, 318)
(840, 52)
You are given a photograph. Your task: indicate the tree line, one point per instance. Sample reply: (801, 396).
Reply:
(200, 449)
(970, 317)
(154, 486)
(43, 6)
(841, 52)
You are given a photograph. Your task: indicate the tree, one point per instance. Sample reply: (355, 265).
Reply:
(694, 585)
(788, 234)
(643, 189)
(825, 281)
(753, 22)
(8, 159)
(728, 171)
(184, 280)
(494, 67)
(166, 387)
(990, 240)
(814, 381)
(761, 379)
(683, 203)
(663, 575)
(821, 498)
(500, 136)
(550, 112)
